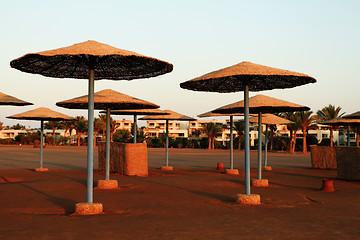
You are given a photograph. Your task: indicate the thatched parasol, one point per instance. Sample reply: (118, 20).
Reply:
(269, 119)
(171, 115)
(211, 114)
(262, 104)
(355, 115)
(106, 100)
(135, 113)
(82, 60)
(343, 122)
(41, 114)
(247, 76)
(10, 100)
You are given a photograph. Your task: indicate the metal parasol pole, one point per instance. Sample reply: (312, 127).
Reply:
(247, 140)
(135, 128)
(90, 146)
(167, 144)
(266, 146)
(107, 145)
(231, 143)
(348, 136)
(259, 143)
(41, 142)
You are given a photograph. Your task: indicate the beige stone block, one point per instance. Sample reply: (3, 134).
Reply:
(232, 171)
(167, 168)
(41, 169)
(107, 184)
(244, 199)
(259, 182)
(88, 208)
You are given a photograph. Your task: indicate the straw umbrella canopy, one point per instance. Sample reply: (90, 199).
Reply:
(171, 115)
(231, 115)
(135, 113)
(10, 100)
(106, 100)
(355, 115)
(247, 76)
(82, 61)
(344, 122)
(41, 114)
(269, 119)
(260, 104)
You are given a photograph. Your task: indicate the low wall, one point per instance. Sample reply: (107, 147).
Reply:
(348, 163)
(125, 158)
(323, 157)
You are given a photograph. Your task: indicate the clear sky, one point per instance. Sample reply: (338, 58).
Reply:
(320, 38)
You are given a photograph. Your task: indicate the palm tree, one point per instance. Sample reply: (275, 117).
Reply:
(113, 124)
(239, 128)
(51, 125)
(212, 130)
(305, 121)
(293, 128)
(99, 125)
(80, 126)
(328, 113)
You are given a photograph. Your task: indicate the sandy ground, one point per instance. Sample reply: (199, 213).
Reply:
(193, 202)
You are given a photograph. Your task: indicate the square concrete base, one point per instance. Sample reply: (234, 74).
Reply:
(259, 182)
(88, 208)
(252, 199)
(167, 168)
(41, 169)
(232, 171)
(267, 168)
(107, 184)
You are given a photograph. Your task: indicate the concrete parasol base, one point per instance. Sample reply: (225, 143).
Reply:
(167, 168)
(88, 208)
(252, 199)
(267, 168)
(232, 171)
(259, 182)
(107, 184)
(41, 169)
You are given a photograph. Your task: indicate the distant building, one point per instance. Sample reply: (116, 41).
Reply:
(176, 128)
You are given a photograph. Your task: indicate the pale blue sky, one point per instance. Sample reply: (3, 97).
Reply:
(319, 38)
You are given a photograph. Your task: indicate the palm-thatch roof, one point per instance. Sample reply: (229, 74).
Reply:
(42, 113)
(171, 116)
(138, 112)
(270, 119)
(10, 100)
(355, 115)
(211, 114)
(261, 103)
(342, 122)
(258, 77)
(107, 61)
(107, 99)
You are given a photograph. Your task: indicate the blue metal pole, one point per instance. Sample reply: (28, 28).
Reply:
(167, 144)
(90, 145)
(231, 143)
(247, 138)
(135, 128)
(41, 142)
(266, 146)
(259, 143)
(107, 146)
(348, 136)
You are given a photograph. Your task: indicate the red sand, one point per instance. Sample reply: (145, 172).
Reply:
(187, 203)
